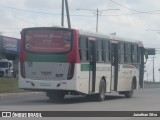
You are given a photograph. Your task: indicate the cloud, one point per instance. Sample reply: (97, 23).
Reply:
(133, 26)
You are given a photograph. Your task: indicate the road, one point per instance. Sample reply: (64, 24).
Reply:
(143, 100)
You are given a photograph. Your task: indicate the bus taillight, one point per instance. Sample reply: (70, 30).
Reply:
(22, 68)
(71, 70)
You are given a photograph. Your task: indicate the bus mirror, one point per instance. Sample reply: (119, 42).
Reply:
(10, 65)
(146, 56)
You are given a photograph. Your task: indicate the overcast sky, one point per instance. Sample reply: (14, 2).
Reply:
(135, 19)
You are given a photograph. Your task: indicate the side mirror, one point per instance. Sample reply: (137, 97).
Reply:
(146, 56)
(10, 65)
(146, 53)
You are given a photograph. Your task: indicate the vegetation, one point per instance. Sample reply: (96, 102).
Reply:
(9, 85)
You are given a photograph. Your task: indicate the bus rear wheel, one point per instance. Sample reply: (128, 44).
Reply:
(102, 90)
(56, 95)
(129, 94)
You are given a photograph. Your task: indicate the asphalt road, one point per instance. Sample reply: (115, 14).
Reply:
(143, 100)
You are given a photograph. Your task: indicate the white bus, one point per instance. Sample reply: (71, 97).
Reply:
(62, 61)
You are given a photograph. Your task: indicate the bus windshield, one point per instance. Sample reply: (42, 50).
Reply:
(3, 64)
(48, 40)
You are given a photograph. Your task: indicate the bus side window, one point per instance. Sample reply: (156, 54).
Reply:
(129, 52)
(83, 48)
(134, 53)
(121, 52)
(138, 54)
(124, 52)
(103, 50)
(80, 50)
(109, 51)
(99, 50)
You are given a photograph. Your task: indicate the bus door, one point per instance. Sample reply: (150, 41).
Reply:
(114, 64)
(141, 53)
(92, 63)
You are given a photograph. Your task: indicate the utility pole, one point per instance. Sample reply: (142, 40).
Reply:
(97, 13)
(62, 18)
(67, 12)
(68, 16)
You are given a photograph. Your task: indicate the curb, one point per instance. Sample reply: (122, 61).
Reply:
(6, 95)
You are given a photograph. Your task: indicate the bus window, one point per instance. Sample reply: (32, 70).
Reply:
(83, 48)
(138, 54)
(125, 53)
(104, 49)
(129, 52)
(48, 41)
(122, 52)
(99, 46)
(119, 52)
(134, 53)
(109, 51)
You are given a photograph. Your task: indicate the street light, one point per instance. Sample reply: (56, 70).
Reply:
(97, 12)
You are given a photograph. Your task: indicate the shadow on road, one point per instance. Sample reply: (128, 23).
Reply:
(82, 99)
(39, 100)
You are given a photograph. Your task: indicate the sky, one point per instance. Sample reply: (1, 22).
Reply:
(135, 19)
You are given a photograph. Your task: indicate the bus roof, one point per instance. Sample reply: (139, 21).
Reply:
(110, 37)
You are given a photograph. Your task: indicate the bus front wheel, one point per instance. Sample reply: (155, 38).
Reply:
(129, 94)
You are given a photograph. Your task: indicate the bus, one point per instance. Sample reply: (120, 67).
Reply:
(62, 61)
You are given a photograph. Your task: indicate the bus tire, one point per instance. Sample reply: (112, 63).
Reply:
(55, 96)
(102, 90)
(129, 94)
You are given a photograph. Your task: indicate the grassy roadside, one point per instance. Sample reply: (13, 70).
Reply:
(9, 85)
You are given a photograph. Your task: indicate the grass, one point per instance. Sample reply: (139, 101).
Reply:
(9, 85)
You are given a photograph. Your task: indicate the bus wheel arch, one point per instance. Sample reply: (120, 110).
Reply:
(129, 94)
(103, 78)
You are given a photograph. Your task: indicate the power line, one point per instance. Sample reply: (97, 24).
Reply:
(97, 12)
(148, 12)
(10, 32)
(28, 10)
(21, 19)
(130, 14)
(12, 28)
(39, 12)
